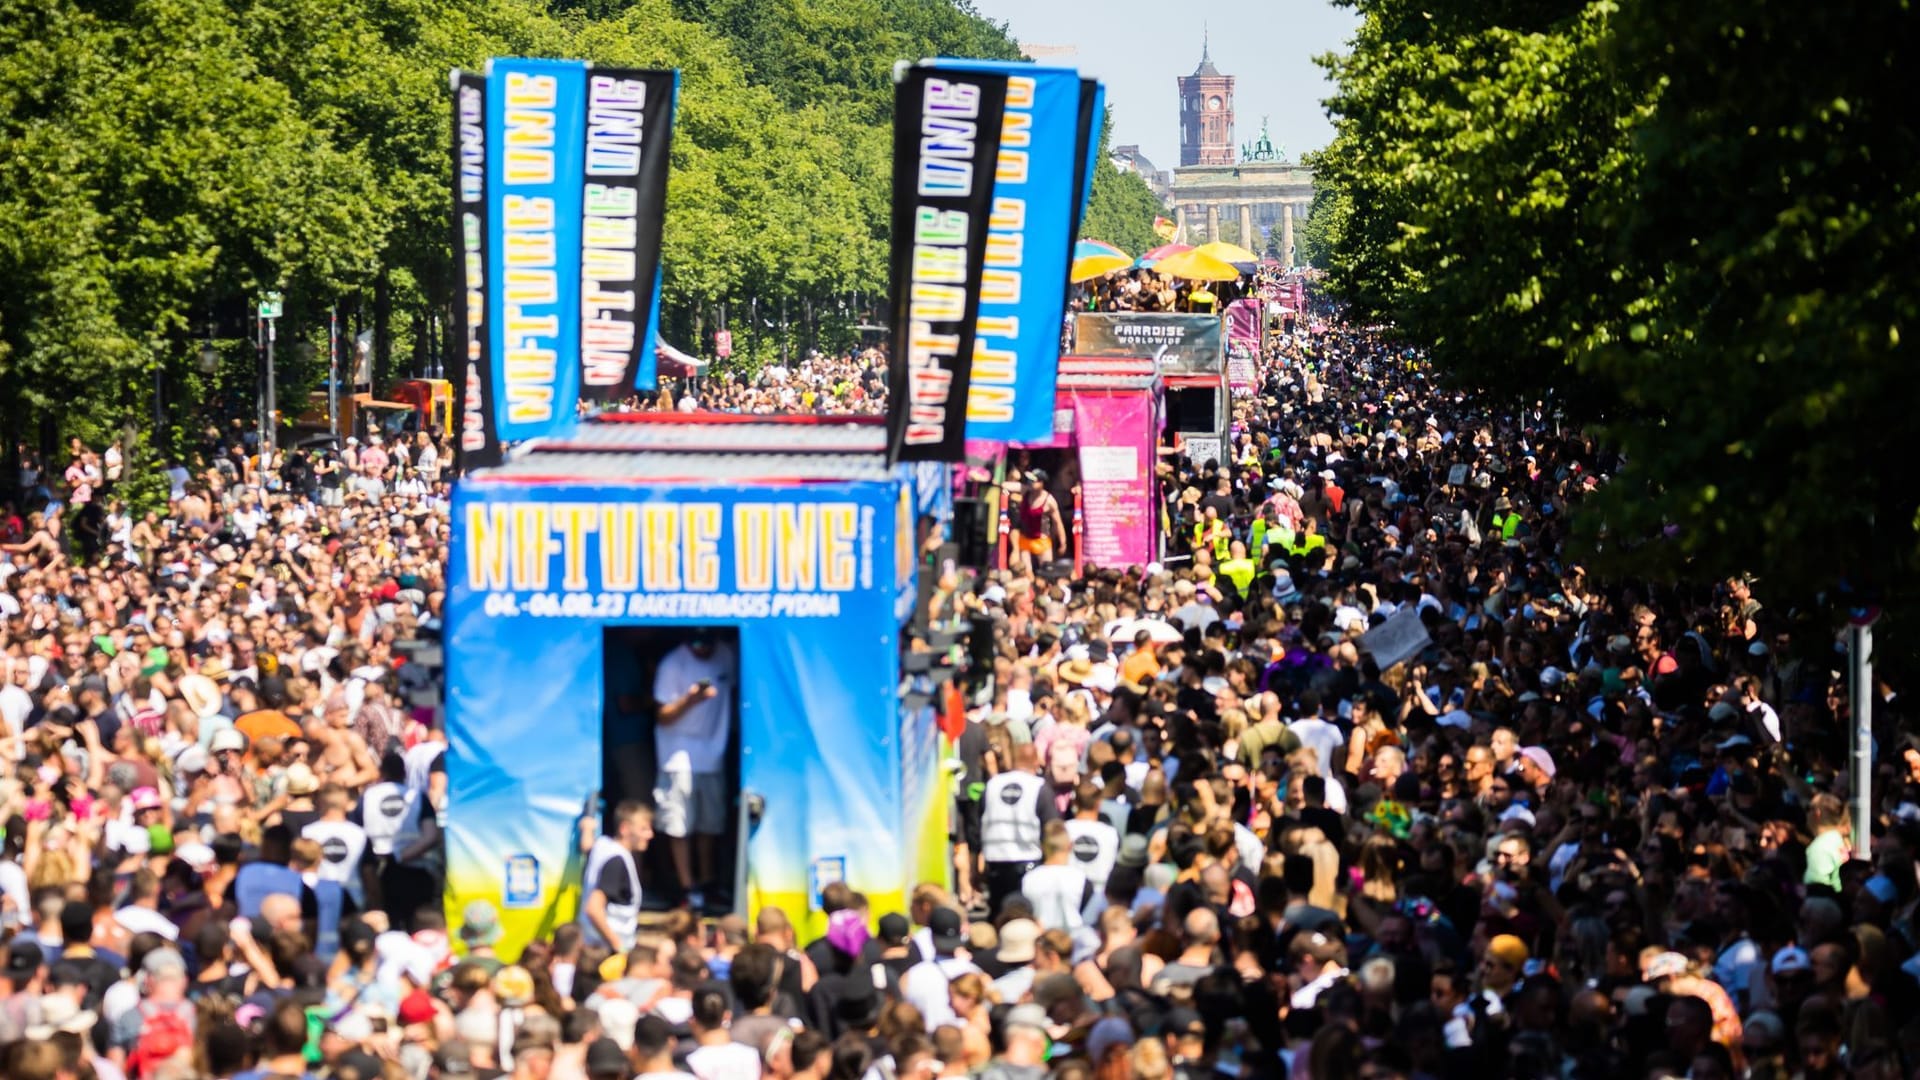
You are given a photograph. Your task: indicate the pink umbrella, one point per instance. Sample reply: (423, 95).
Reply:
(1163, 251)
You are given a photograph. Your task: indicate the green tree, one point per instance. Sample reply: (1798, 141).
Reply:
(1692, 225)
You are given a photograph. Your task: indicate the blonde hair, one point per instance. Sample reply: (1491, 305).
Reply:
(1149, 1060)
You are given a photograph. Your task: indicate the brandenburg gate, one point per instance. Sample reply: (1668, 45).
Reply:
(1264, 195)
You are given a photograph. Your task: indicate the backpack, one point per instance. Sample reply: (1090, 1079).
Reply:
(162, 1035)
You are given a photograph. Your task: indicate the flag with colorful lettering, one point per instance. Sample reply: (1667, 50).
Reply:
(629, 130)
(1036, 193)
(946, 142)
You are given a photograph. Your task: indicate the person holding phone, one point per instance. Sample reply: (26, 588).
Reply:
(694, 690)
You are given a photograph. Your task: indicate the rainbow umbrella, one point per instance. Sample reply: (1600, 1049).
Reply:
(1164, 251)
(1093, 258)
(1196, 265)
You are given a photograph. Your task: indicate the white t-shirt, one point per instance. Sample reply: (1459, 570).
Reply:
(1095, 846)
(390, 814)
(15, 706)
(1325, 738)
(697, 742)
(139, 920)
(725, 1061)
(342, 844)
(420, 761)
(1057, 894)
(13, 884)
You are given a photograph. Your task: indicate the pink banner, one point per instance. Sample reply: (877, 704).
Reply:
(1243, 347)
(1115, 432)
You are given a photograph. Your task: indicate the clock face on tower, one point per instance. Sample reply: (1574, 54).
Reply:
(1214, 102)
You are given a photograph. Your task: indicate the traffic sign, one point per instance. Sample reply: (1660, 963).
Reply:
(270, 306)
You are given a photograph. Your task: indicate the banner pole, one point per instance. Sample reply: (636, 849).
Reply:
(333, 370)
(1862, 771)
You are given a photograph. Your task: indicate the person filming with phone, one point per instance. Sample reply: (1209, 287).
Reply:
(694, 689)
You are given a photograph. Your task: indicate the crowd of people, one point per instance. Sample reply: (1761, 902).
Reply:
(1366, 778)
(220, 775)
(850, 383)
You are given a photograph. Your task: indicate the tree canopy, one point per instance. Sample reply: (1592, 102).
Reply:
(1692, 225)
(167, 161)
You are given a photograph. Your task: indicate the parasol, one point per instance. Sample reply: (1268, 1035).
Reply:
(1196, 265)
(1094, 258)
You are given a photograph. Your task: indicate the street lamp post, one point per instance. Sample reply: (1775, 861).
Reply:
(270, 308)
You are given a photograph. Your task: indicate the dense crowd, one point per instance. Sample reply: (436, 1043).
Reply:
(1366, 778)
(850, 383)
(217, 786)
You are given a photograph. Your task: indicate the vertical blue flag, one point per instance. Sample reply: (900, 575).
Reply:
(1016, 354)
(535, 118)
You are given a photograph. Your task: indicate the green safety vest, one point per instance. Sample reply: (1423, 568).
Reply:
(1240, 572)
(1304, 544)
(1507, 523)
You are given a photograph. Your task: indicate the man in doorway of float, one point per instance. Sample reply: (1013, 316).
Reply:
(694, 688)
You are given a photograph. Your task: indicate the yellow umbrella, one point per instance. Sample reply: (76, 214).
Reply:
(1196, 265)
(1097, 265)
(1228, 253)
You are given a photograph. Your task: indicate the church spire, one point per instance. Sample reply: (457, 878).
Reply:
(1206, 53)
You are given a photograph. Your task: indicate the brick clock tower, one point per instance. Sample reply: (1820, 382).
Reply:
(1206, 114)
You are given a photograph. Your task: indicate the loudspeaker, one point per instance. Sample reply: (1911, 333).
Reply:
(973, 531)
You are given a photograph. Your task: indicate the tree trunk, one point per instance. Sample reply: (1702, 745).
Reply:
(382, 328)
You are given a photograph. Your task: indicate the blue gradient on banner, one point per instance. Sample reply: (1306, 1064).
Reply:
(648, 375)
(1093, 156)
(1018, 406)
(819, 720)
(535, 147)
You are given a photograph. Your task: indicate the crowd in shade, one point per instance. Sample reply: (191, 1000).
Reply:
(850, 383)
(1366, 778)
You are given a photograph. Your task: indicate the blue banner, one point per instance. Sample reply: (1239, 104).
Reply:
(805, 575)
(535, 124)
(1016, 355)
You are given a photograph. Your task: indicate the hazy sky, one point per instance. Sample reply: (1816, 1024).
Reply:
(1139, 47)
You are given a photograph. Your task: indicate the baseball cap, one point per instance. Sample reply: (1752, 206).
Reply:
(1540, 758)
(416, 1008)
(945, 924)
(1791, 959)
(23, 959)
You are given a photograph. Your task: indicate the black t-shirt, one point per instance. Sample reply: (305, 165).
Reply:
(1332, 824)
(616, 882)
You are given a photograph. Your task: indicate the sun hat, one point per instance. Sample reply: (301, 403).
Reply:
(1017, 941)
(201, 694)
(300, 779)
